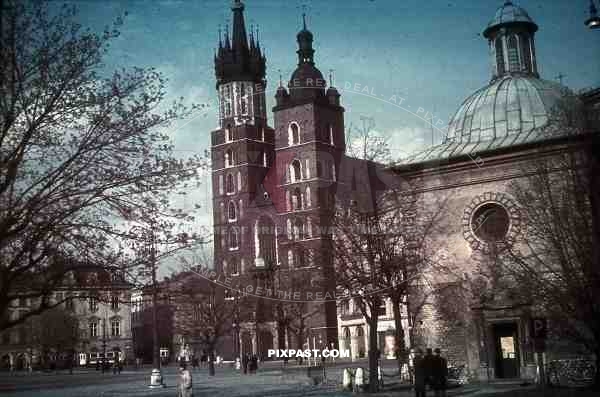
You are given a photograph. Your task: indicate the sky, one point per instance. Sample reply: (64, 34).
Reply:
(430, 55)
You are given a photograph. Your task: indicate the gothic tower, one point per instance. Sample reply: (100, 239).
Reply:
(242, 146)
(309, 145)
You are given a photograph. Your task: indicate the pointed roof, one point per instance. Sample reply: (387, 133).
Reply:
(240, 40)
(238, 59)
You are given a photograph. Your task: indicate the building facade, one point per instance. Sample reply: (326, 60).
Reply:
(274, 190)
(100, 306)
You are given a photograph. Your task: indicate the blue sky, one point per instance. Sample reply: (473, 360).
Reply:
(430, 53)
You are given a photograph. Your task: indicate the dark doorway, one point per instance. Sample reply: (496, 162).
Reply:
(507, 350)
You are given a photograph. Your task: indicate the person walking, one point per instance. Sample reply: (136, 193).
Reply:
(428, 363)
(184, 381)
(420, 374)
(440, 374)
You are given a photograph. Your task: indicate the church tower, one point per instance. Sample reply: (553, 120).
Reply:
(242, 145)
(310, 143)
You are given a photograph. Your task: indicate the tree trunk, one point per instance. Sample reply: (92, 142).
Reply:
(281, 333)
(399, 346)
(211, 362)
(373, 355)
(300, 335)
(596, 385)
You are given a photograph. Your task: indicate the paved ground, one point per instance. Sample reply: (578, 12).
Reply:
(270, 381)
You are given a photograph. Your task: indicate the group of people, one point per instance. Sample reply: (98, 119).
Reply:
(430, 370)
(249, 363)
(201, 362)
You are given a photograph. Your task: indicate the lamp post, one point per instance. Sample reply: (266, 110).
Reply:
(593, 22)
(156, 380)
(236, 324)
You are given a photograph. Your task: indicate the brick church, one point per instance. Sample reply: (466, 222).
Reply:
(275, 188)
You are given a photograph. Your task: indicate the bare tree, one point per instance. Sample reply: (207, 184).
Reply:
(201, 312)
(54, 331)
(365, 143)
(292, 311)
(79, 149)
(406, 263)
(553, 264)
(357, 262)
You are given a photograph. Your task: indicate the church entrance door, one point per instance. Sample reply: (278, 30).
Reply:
(507, 353)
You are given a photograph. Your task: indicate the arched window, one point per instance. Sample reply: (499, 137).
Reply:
(265, 236)
(232, 239)
(294, 134)
(229, 158)
(299, 258)
(298, 230)
(230, 184)
(296, 199)
(232, 211)
(360, 331)
(526, 51)
(296, 171)
(228, 101)
(499, 56)
(239, 180)
(265, 160)
(330, 130)
(243, 99)
(228, 133)
(307, 197)
(513, 54)
(345, 331)
(233, 268)
(241, 208)
(289, 229)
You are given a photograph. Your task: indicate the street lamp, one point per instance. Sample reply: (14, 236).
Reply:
(156, 380)
(593, 22)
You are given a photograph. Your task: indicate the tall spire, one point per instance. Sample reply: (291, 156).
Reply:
(220, 41)
(240, 57)
(240, 41)
(227, 42)
(305, 38)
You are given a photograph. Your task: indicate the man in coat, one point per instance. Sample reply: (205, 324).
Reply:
(428, 364)
(420, 374)
(184, 381)
(440, 374)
